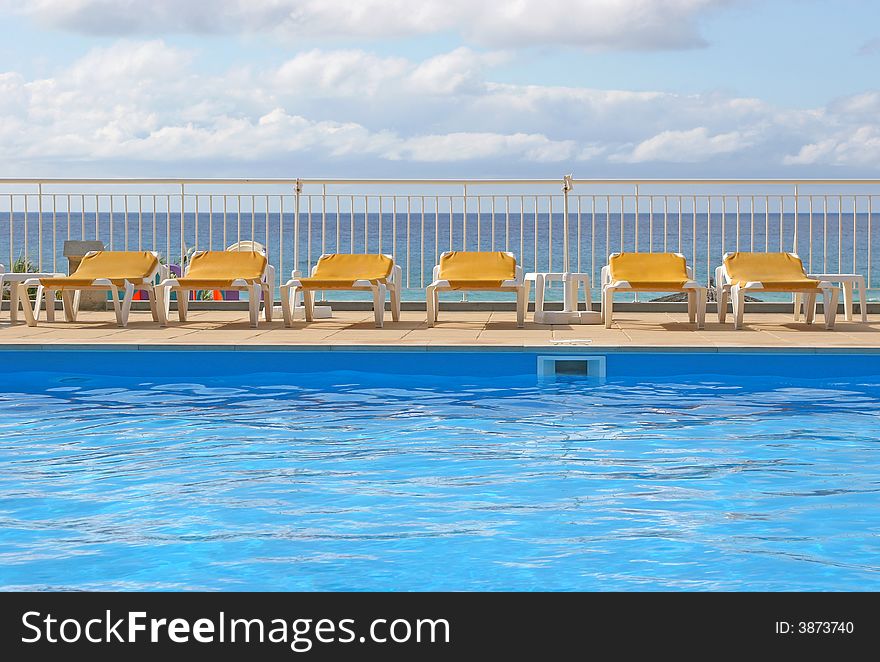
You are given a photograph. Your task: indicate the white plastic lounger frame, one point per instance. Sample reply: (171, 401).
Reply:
(265, 286)
(516, 285)
(294, 287)
(696, 295)
(70, 297)
(736, 294)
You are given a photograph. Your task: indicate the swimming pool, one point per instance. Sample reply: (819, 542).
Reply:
(385, 470)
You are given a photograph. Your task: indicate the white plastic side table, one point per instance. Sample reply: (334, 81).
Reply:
(12, 279)
(848, 283)
(569, 313)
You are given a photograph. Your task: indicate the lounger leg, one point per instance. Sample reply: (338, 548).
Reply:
(702, 296)
(521, 303)
(117, 307)
(126, 302)
(287, 305)
(49, 296)
(66, 305)
(309, 304)
(163, 304)
(431, 304)
(540, 284)
(268, 300)
(863, 299)
(847, 300)
(692, 306)
(739, 304)
(254, 304)
(17, 293)
(379, 305)
(798, 301)
(154, 307)
(395, 302)
(809, 308)
(720, 295)
(829, 303)
(182, 304)
(607, 305)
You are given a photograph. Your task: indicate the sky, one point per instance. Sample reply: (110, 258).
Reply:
(440, 88)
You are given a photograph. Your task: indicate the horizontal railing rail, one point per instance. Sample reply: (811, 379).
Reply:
(564, 224)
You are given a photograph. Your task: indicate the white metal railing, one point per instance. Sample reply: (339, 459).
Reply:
(563, 224)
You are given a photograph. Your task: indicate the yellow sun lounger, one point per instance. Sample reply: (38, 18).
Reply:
(243, 270)
(343, 271)
(117, 272)
(770, 272)
(651, 272)
(490, 271)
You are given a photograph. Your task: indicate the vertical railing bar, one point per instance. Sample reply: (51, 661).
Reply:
(479, 221)
(211, 222)
(782, 224)
(422, 243)
(111, 221)
(11, 234)
(870, 222)
(766, 223)
(281, 278)
(593, 280)
(464, 224)
(737, 221)
(839, 232)
(622, 243)
(68, 216)
(723, 225)
(168, 228)
(507, 223)
(308, 268)
(380, 223)
(651, 224)
(140, 221)
(752, 236)
(522, 228)
(225, 217)
(436, 229)
(253, 217)
(579, 243)
(694, 235)
(550, 232)
(636, 199)
(182, 224)
(451, 215)
(536, 233)
(665, 222)
(708, 239)
(825, 235)
(394, 227)
(125, 213)
(26, 254)
(338, 223)
(810, 233)
(97, 222)
(493, 222)
(351, 224)
(324, 221)
(366, 223)
(408, 239)
(607, 227)
(267, 224)
(297, 194)
(855, 236)
(196, 224)
(54, 233)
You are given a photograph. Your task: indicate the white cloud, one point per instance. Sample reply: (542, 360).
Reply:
(324, 110)
(591, 24)
(688, 146)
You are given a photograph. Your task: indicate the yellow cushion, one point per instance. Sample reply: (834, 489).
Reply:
(660, 272)
(776, 271)
(217, 269)
(116, 266)
(477, 270)
(340, 270)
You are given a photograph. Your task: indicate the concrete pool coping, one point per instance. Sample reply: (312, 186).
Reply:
(457, 330)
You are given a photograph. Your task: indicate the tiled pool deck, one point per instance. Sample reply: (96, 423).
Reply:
(456, 328)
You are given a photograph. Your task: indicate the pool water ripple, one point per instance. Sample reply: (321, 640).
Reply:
(357, 481)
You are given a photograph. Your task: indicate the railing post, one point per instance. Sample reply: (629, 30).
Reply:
(567, 185)
(297, 193)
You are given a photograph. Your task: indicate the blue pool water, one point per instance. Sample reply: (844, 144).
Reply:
(432, 470)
